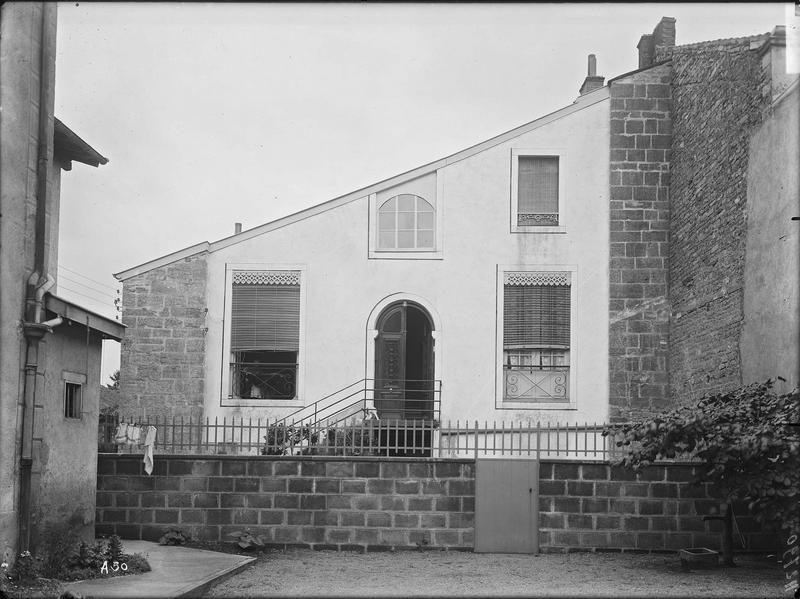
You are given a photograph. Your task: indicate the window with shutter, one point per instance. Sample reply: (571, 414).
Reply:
(537, 191)
(265, 334)
(536, 335)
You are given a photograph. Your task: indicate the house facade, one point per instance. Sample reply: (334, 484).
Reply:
(438, 274)
(599, 263)
(49, 347)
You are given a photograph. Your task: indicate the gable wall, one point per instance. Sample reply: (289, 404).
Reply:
(162, 366)
(343, 285)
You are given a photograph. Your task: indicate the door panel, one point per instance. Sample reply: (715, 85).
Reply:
(506, 506)
(390, 379)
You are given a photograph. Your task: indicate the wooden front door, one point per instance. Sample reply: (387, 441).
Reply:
(403, 363)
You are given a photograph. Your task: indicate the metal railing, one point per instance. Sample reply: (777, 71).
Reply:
(255, 380)
(375, 399)
(368, 437)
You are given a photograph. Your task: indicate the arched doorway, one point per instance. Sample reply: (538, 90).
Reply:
(404, 363)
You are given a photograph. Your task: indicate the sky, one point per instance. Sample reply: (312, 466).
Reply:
(212, 114)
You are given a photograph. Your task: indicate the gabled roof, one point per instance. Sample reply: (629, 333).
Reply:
(68, 147)
(581, 103)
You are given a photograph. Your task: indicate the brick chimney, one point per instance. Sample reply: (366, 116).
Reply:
(658, 45)
(592, 81)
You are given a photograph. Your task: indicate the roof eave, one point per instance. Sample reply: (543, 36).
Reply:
(70, 311)
(68, 146)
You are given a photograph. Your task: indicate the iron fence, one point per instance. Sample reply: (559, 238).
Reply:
(365, 437)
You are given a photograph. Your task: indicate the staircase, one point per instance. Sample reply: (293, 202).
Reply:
(362, 401)
(395, 419)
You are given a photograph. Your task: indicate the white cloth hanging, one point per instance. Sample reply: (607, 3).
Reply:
(149, 443)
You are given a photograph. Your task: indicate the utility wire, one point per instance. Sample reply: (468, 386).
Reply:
(91, 297)
(89, 278)
(100, 291)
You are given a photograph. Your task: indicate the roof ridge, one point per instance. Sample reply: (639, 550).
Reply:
(744, 38)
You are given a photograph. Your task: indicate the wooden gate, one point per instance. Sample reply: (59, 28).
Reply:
(506, 506)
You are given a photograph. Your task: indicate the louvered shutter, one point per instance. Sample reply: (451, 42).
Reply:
(537, 185)
(536, 316)
(265, 312)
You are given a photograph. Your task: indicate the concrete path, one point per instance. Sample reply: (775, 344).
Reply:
(176, 572)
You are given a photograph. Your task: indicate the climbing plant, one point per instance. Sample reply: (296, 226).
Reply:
(747, 443)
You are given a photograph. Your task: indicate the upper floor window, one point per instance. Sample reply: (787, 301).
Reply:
(406, 222)
(537, 192)
(265, 334)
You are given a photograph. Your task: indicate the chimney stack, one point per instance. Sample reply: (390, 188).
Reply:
(592, 81)
(658, 45)
(237, 228)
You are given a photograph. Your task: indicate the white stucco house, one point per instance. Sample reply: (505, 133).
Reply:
(474, 287)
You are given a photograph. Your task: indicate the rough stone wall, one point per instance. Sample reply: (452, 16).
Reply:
(641, 128)
(162, 367)
(719, 91)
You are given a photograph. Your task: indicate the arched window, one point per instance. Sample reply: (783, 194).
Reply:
(406, 222)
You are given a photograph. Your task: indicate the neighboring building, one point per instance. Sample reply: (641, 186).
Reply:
(49, 347)
(704, 254)
(608, 260)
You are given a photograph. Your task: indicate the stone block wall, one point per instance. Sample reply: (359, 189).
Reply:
(641, 142)
(324, 503)
(162, 367)
(600, 507)
(376, 504)
(719, 92)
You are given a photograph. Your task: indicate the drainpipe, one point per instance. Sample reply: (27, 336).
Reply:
(39, 281)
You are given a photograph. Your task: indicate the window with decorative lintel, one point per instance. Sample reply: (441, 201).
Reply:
(264, 334)
(537, 183)
(536, 336)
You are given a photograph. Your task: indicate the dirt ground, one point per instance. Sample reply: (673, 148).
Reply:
(309, 573)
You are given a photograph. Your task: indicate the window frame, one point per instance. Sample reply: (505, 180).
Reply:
(501, 403)
(417, 188)
(416, 230)
(558, 153)
(77, 380)
(226, 399)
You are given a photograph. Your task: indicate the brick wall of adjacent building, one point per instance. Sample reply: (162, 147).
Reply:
(641, 142)
(373, 504)
(162, 367)
(719, 91)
